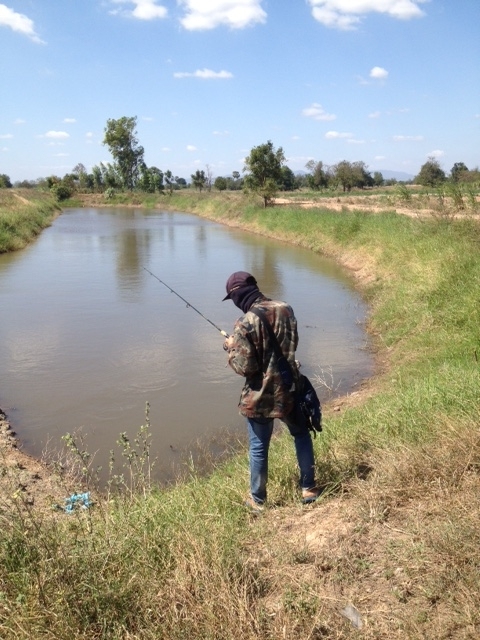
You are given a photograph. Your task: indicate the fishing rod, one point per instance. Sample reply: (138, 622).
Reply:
(224, 333)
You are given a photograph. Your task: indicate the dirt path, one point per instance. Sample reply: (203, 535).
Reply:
(372, 204)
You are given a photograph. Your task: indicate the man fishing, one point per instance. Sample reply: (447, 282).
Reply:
(251, 353)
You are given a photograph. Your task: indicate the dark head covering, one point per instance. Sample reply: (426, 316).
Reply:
(242, 289)
(237, 280)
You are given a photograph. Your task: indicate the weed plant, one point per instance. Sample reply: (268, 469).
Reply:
(395, 536)
(23, 215)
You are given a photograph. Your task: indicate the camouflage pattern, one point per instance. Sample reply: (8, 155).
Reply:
(252, 355)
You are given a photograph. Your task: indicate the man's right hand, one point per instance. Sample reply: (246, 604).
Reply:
(228, 344)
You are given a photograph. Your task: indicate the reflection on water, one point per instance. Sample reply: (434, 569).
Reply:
(87, 336)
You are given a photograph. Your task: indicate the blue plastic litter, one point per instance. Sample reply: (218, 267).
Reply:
(77, 500)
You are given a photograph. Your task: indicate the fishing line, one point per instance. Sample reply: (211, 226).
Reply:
(189, 305)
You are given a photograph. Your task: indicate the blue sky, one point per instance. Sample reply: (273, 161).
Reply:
(389, 82)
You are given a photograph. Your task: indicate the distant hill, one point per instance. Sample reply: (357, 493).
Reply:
(398, 175)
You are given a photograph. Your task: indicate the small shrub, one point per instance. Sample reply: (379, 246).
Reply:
(61, 191)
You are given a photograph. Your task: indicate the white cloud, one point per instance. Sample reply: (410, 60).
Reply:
(404, 138)
(69, 120)
(374, 114)
(61, 155)
(332, 135)
(236, 14)
(58, 135)
(317, 112)
(437, 153)
(204, 74)
(19, 121)
(355, 141)
(379, 73)
(143, 9)
(346, 14)
(190, 147)
(89, 134)
(380, 158)
(18, 22)
(221, 133)
(6, 136)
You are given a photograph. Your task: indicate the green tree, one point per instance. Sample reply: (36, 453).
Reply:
(361, 176)
(80, 171)
(199, 179)
(264, 167)
(378, 179)
(220, 183)
(170, 181)
(344, 175)
(318, 176)
(5, 181)
(97, 176)
(457, 170)
(288, 180)
(151, 179)
(121, 139)
(431, 174)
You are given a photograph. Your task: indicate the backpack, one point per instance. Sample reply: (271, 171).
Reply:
(308, 404)
(307, 409)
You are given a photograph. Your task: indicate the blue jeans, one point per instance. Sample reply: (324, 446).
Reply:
(259, 433)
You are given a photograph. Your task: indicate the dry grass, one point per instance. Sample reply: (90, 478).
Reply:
(401, 546)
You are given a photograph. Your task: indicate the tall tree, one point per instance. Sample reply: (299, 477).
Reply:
(5, 182)
(457, 170)
(288, 180)
(220, 183)
(169, 180)
(82, 176)
(344, 175)
(318, 178)
(208, 177)
(199, 179)
(431, 174)
(264, 167)
(121, 139)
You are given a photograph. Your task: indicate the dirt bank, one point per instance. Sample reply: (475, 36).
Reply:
(24, 480)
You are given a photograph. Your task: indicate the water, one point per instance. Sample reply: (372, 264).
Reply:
(87, 336)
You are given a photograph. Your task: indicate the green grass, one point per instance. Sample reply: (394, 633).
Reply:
(401, 467)
(23, 215)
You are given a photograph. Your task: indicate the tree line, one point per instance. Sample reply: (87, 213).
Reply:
(265, 169)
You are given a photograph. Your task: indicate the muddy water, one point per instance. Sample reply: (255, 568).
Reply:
(87, 336)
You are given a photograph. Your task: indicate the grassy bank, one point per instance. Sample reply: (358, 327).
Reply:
(23, 215)
(396, 535)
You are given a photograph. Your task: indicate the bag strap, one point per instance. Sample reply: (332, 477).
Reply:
(278, 351)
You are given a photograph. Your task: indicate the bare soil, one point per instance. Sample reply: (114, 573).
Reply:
(24, 480)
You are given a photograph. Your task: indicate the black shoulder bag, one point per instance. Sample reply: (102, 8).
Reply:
(307, 410)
